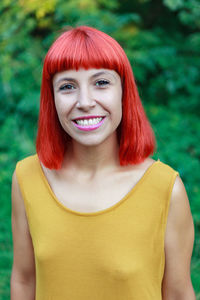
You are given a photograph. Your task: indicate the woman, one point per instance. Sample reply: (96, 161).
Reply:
(93, 216)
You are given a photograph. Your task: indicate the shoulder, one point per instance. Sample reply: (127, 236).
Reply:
(179, 214)
(179, 237)
(26, 163)
(15, 185)
(25, 170)
(28, 159)
(16, 197)
(179, 204)
(180, 219)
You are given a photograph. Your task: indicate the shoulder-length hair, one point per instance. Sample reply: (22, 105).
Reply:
(86, 47)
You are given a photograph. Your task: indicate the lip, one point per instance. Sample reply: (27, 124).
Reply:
(87, 117)
(90, 127)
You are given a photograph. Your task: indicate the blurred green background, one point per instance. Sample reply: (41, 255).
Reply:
(162, 41)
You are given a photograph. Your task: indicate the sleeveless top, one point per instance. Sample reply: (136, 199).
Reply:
(116, 253)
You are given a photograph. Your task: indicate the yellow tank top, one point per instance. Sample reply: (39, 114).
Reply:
(113, 254)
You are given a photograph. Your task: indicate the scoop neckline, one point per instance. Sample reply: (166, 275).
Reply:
(102, 211)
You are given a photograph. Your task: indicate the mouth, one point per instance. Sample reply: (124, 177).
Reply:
(89, 120)
(88, 124)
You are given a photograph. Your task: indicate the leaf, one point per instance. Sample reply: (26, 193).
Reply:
(173, 4)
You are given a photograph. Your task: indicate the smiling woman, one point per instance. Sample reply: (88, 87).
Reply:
(88, 48)
(93, 215)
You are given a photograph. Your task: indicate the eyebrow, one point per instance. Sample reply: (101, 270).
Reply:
(93, 76)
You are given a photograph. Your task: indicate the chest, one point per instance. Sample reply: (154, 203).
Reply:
(94, 195)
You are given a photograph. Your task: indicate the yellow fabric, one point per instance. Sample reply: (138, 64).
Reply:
(116, 253)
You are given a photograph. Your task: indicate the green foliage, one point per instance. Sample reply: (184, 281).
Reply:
(174, 4)
(162, 41)
(188, 11)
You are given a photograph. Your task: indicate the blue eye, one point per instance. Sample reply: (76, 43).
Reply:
(67, 87)
(102, 82)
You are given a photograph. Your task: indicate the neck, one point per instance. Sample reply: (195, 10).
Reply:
(89, 161)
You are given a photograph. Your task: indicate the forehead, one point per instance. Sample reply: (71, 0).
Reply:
(83, 73)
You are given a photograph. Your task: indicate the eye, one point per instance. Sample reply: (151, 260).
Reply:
(102, 82)
(67, 87)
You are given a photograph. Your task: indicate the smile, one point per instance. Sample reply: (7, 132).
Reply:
(89, 124)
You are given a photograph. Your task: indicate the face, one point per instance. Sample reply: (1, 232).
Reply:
(88, 103)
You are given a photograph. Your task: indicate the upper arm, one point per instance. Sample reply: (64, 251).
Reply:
(23, 255)
(179, 240)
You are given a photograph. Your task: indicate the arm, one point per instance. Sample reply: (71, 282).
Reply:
(22, 281)
(179, 240)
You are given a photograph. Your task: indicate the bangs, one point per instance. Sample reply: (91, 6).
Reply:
(77, 49)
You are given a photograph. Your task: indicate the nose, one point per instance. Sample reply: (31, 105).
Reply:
(85, 100)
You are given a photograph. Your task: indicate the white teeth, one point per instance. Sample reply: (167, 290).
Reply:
(89, 121)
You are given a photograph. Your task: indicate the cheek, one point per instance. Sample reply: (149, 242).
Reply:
(114, 108)
(59, 111)
(119, 114)
(62, 106)
(117, 102)
(118, 106)
(62, 111)
(112, 98)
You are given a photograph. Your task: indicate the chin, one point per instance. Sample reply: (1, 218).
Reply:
(90, 141)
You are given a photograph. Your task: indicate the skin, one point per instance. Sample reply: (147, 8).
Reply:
(93, 158)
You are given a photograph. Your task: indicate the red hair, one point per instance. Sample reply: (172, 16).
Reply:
(86, 47)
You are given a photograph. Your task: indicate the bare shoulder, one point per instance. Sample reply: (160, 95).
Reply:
(179, 240)
(179, 211)
(17, 200)
(180, 222)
